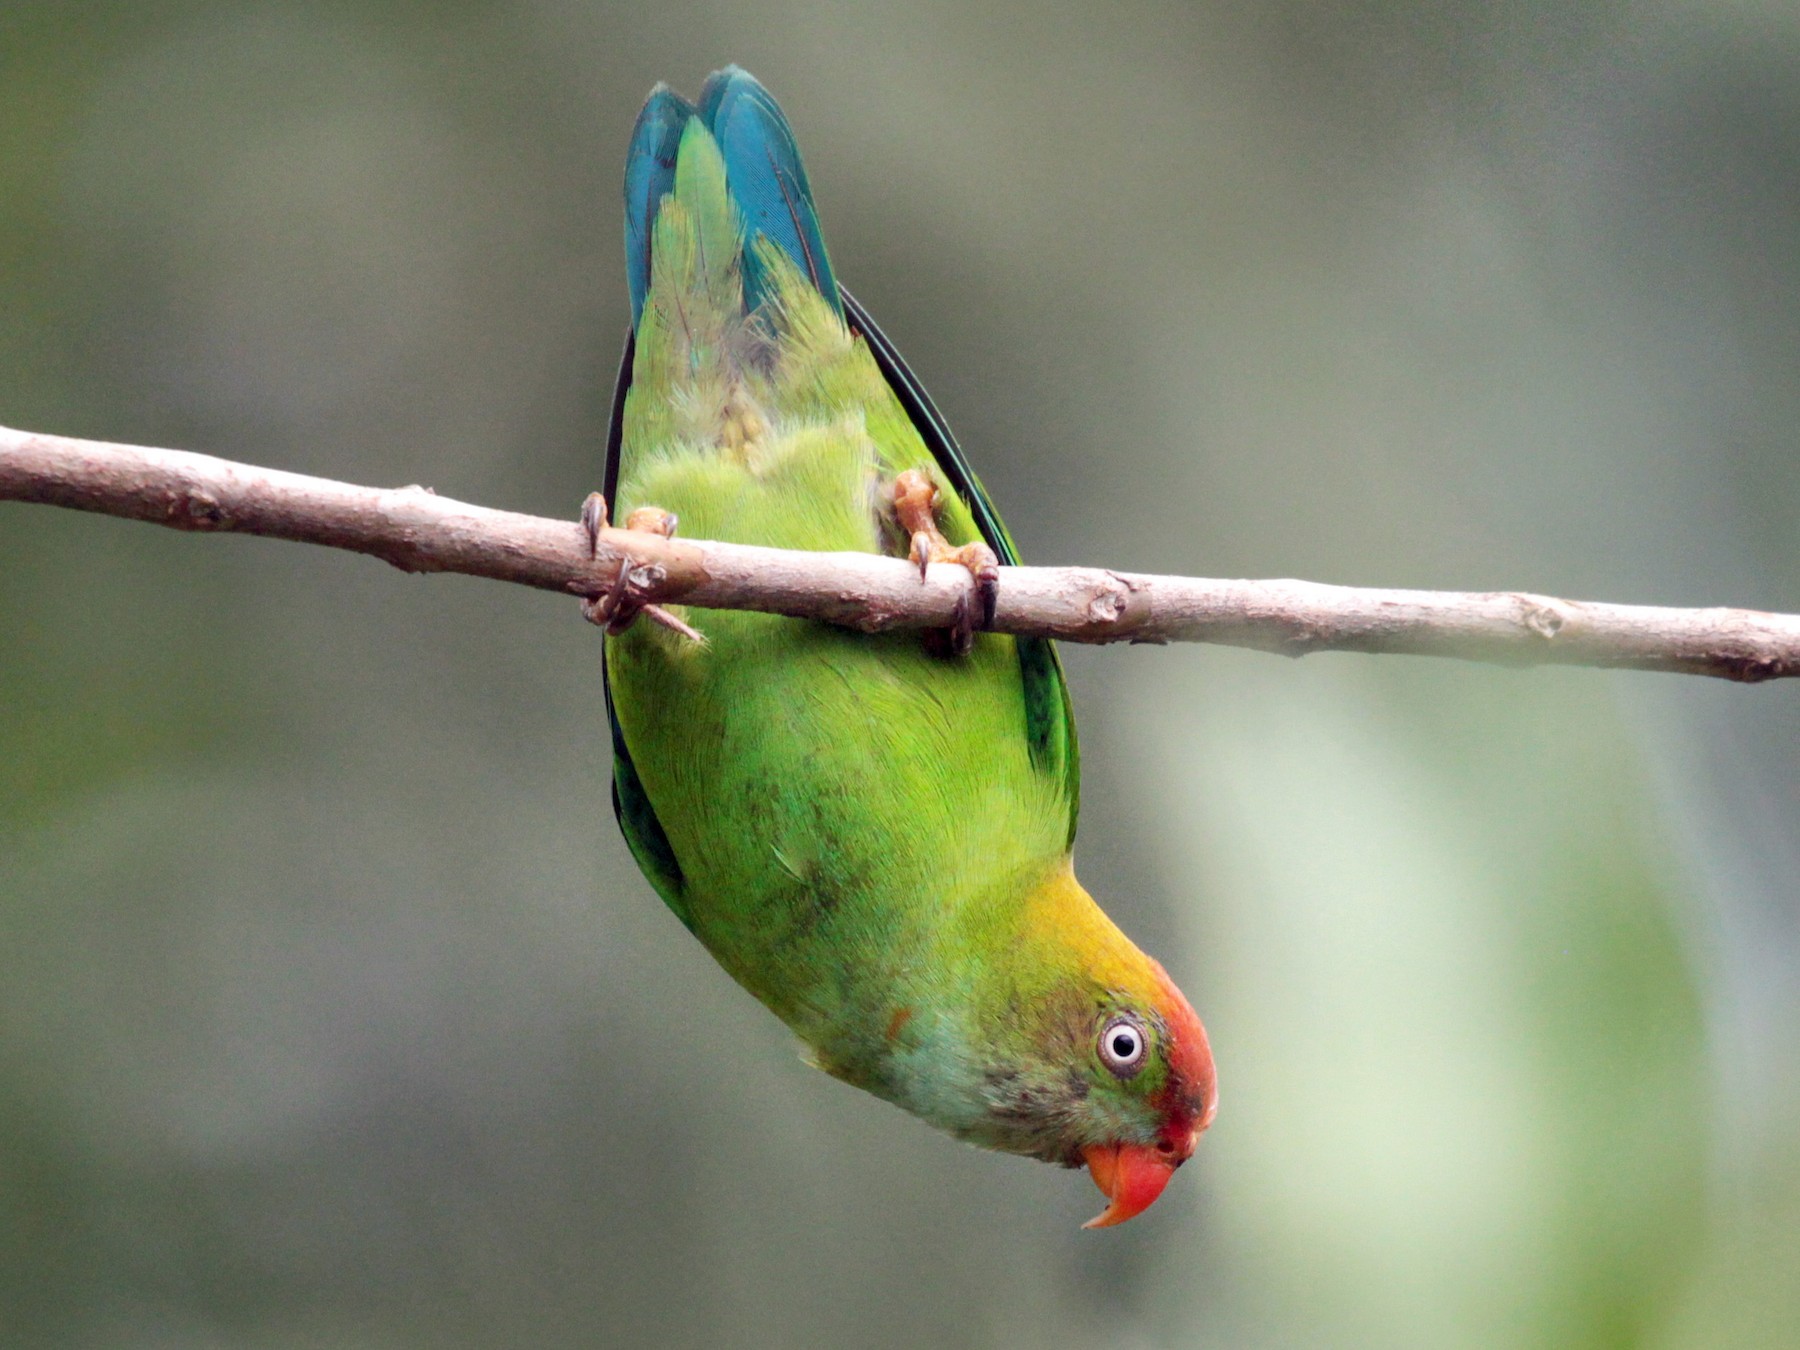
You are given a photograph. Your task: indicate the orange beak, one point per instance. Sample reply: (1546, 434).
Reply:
(1129, 1175)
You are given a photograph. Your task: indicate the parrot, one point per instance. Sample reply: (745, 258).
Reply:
(872, 833)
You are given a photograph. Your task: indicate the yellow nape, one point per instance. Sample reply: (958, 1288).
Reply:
(1061, 913)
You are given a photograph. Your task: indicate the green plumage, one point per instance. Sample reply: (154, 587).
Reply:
(871, 838)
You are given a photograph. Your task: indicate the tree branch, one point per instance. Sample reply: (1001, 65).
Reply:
(418, 531)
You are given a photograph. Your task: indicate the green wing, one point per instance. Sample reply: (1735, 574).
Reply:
(1049, 715)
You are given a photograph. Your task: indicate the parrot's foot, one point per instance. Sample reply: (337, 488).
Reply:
(915, 504)
(618, 606)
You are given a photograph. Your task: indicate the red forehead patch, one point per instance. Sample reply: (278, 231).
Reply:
(1192, 1093)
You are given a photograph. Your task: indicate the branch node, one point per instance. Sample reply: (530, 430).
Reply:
(1107, 605)
(1543, 616)
(195, 509)
(1115, 607)
(643, 578)
(1748, 669)
(867, 614)
(1299, 642)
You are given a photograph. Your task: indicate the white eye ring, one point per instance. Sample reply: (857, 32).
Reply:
(1123, 1045)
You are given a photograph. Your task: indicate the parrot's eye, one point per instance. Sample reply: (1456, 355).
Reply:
(1122, 1045)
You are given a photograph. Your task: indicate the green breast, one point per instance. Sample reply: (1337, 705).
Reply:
(841, 809)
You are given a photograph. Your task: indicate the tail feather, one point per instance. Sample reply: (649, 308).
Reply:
(763, 172)
(767, 180)
(649, 174)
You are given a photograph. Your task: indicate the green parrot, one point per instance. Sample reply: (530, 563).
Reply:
(871, 833)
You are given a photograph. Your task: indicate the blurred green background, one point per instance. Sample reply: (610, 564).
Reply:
(332, 1010)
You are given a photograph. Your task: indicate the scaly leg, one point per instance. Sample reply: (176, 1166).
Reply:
(915, 504)
(618, 606)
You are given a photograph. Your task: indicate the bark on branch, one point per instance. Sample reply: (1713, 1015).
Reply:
(418, 531)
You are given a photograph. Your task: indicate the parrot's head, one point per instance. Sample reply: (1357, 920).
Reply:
(1150, 1092)
(1050, 1035)
(1103, 1063)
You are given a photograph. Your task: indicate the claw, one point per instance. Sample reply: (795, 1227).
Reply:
(985, 568)
(653, 519)
(593, 520)
(618, 606)
(920, 552)
(962, 632)
(915, 503)
(598, 609)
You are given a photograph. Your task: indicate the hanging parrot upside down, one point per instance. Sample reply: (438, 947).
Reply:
(871, 833)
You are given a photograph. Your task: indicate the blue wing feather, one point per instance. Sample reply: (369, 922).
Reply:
(649, 174)
(766, 179)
